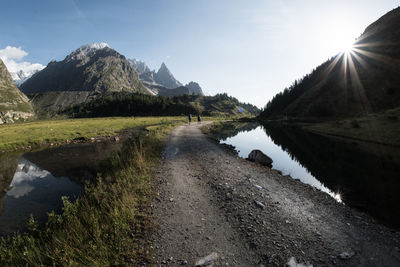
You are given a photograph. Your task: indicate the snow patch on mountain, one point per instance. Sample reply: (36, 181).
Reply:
(99, 45)
(139, 66)
(20, 70)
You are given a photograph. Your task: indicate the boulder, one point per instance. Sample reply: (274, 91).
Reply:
(259, 157)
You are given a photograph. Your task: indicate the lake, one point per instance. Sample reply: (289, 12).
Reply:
(34, 182)
(362, 175)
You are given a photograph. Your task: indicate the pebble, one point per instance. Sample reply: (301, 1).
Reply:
(346, 255)
(207, 260)
(259, 204)
(258, 187)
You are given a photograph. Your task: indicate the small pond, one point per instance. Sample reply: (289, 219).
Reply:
(34, 182)
(359, 174)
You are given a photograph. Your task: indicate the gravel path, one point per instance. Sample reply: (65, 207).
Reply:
(213, 203)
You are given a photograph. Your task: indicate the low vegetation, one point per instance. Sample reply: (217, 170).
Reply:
(107, 225)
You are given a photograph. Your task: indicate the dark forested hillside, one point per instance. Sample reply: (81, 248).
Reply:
(119, 104)
(354, 83)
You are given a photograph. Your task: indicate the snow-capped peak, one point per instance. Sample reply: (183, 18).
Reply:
(26, 71)
(139, 66)
(86, 50)
(99, 45)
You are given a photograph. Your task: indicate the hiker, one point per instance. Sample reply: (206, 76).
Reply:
(198, 118)
(190, 118)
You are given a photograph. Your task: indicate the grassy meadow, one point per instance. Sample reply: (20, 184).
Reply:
(36, 133)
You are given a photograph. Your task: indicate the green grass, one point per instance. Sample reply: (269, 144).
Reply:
(14, 136)
(108, 225)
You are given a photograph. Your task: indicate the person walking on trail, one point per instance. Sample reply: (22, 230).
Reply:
(198, 118)
(190, 118)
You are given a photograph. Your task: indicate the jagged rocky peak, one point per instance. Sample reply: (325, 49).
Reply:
(194, 88)
(139, 66)
(165, 77)
(86, 51)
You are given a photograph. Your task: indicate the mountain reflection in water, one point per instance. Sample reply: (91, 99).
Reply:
(33, 191)
(33, 183)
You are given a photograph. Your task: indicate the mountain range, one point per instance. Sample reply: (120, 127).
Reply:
(358, 82)
(14, 105)
(163, 79)
(96, 70)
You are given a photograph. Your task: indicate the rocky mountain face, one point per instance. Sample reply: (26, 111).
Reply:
(163, 81)
(14, 105)
(355, 83)
(165, 77)
(95, 68)
(194, 88)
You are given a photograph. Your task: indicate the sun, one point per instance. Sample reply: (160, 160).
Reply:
(347, 46)
(343, 43)
(339, 36)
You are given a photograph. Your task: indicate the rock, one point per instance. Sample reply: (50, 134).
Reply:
(258, 187)
(346, 255)
(207, 259)
(116, 138)
(293, 263)
(259, 204)
(259, 157)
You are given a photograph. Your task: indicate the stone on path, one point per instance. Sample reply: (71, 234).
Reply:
(207, 259)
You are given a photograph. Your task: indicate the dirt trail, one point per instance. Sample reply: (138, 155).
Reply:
(212, 201)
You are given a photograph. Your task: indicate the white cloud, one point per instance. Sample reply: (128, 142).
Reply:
(19, 70)
(11, 52)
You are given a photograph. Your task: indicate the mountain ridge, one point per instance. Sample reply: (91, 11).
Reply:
(96, 68)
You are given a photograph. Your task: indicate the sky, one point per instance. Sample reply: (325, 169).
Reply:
(248, 49)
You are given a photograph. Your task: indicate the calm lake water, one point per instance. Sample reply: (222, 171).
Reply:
(34, 182)
(362, 175)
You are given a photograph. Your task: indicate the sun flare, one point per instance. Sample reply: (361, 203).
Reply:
(347, 46)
